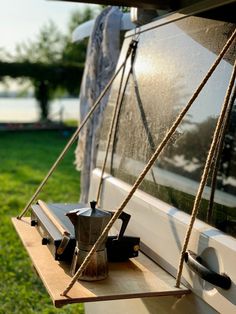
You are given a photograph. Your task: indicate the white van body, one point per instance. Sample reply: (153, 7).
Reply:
(171, 60)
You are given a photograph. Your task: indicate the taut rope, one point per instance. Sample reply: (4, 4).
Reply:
(216, 161)
(75, 135)
(118, 104)
(224, 111)
(148, 166)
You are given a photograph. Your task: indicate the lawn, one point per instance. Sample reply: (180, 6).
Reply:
(25, 157)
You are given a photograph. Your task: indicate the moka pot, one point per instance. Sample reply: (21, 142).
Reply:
(89, 223)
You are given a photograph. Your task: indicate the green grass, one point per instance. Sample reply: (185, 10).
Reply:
(71, 122)
(25, 157)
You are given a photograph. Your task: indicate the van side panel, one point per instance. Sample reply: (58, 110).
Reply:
(170, 63)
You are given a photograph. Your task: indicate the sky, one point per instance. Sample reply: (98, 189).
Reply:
(21, 19)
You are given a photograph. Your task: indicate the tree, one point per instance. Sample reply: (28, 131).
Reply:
(73, 52)
(46, 48)
(49, 48)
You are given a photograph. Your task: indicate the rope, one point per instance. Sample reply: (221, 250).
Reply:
(119, 101)
(224, 111)
(147, 167)
(216, 162)
(116, 125)
(193, 10)
(74, 136)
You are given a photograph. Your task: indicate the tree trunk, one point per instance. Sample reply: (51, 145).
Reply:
(42, 95)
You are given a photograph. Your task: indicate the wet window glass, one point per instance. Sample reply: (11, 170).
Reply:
(170, 63)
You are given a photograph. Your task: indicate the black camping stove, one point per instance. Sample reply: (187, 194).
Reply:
(119, 248)
(51, 236)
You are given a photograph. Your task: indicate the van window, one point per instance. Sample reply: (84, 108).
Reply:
(170, 63)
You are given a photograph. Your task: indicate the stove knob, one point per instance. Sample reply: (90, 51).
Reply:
(45, 241)
(33, 223)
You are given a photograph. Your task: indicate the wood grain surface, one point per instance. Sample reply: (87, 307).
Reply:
(138, 277)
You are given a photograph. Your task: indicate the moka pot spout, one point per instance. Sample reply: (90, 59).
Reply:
(72, 215)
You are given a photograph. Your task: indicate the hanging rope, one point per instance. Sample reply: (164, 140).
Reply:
(118, 104)
(184, 13)
(147, 167)
(216, 162)
(225, 110)
(75, 135)
(116, 124)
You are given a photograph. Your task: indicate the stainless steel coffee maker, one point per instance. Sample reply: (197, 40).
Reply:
(89, 224)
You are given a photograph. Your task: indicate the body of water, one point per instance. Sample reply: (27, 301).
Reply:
(27, 109)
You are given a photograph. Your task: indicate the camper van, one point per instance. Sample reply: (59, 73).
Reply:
(158, 164)
(175, 50)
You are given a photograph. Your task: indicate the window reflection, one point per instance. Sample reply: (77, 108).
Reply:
(177, 58)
